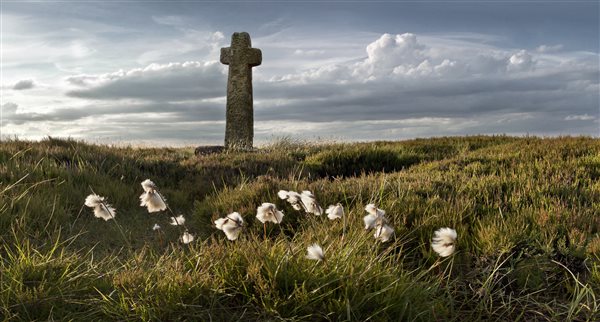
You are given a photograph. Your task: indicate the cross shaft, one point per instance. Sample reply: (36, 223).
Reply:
(241, 57)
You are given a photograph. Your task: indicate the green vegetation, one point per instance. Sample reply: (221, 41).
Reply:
(527, 213)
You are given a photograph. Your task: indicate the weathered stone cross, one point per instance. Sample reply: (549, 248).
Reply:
(241, 57)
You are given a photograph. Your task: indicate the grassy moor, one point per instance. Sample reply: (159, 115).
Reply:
(526, 212)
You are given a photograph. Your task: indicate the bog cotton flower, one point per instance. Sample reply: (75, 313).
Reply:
(383, 232)
(444, 241)
(220, 222)
(268, 212)
(151, 198)
(283, 194)
(155, 227)
(105, 212)
(178, 221)
(315, 252)
(376, 219)
(310, 202)
(294, 198)
(153, 201)
(376, 216)
(335, 211)
(231, 225)
(93, 200)
(148, 185)
(373, 210)
(186, 238)
(101, 208)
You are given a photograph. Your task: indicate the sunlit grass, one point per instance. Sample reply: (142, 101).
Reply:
(526, 212)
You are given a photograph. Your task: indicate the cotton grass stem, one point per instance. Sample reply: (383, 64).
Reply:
(171, 211)
(115, 221)
(345, 215)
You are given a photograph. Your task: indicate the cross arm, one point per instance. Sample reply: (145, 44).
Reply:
(225, 55)
(254, 57)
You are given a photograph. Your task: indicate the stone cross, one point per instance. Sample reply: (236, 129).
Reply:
(241, 57)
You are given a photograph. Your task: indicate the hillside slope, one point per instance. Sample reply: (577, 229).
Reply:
(527, 213)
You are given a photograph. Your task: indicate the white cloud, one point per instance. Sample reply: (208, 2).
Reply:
(389, 52)
(309, 52)
(188, 43)
(78, 49)
(159, 82)
(169, 20)
(392, 56)
(29, 39)
(274, 26)
(583, 117)
(217, 36)
(549, 48)
(521, 61)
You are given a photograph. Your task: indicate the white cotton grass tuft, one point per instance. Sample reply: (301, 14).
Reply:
(153, 201)
(155, 227)
(444, 241)
(376, 219)
(310, 203)
(383, 232)
(177, 221)
(373, 210)
(232, 232)
(93, 200)
(315, 252)
(294, 198)
(335, 211)
(105, 212)
(220, 222)
(376, 216)
(231, 225)
(283, 194)
(186, 238)
(268, 212)
(101, 208)
(148, 185)
(151, 198)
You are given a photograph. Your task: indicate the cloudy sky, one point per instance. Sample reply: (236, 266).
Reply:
(148, 72)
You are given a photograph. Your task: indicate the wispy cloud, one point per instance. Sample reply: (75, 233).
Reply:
(583, 117)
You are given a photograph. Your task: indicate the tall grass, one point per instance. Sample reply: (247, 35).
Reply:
(526, 211)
